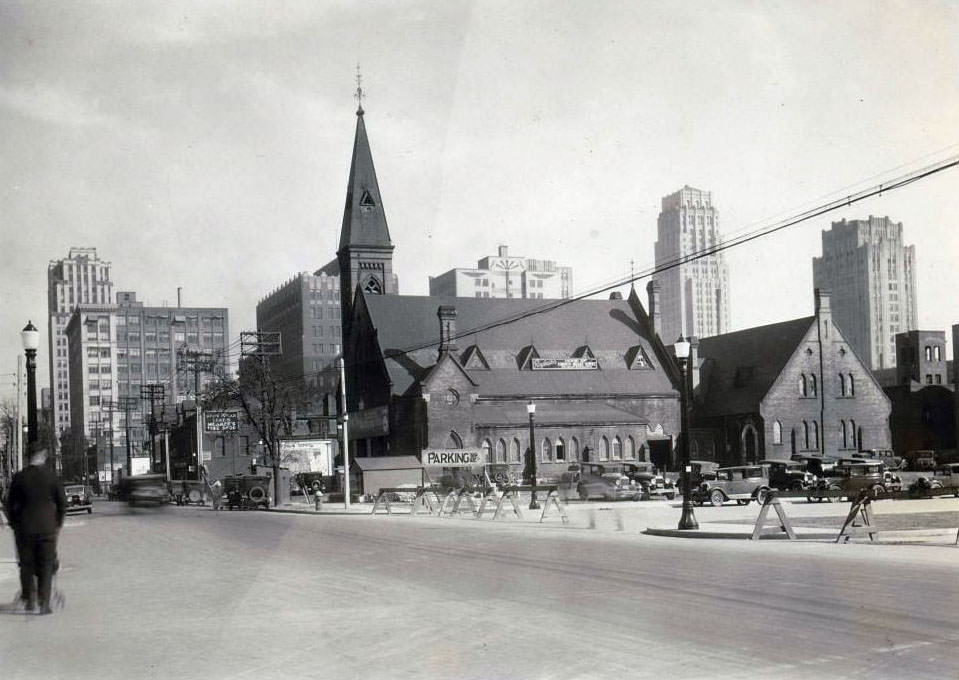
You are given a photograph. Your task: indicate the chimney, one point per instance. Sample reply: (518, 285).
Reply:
(503, 251)
(652, 291)
(179, 298)
(823, 311)
(447, 317)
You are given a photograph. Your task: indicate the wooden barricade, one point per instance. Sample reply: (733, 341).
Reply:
(859, 521)
(452, 504)
(424, 498)
(552, 500)
(760, 529)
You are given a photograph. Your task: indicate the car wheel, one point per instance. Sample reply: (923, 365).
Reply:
(742, 501)
(878, 490)
(671, 496)
(761, 496)
(717, 498)
(834, 497)
(797, 487)
(809, 499)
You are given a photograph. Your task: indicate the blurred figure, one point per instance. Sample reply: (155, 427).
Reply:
(35, 507)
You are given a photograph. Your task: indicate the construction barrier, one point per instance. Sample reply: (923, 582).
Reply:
(783, 525)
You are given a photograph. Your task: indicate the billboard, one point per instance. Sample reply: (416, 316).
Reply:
(452, 457)
(221, 421)
(307, 455)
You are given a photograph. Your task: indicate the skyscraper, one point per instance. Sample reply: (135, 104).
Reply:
(872, 277)
(79, 278)
(694, 295)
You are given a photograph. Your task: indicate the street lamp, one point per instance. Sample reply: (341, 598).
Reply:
(531, 410)
(681, 348)
(30, 337)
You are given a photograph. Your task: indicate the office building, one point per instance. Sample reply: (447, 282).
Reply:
(79, 278)
(871, 275)
(506, 276)
(695, 292)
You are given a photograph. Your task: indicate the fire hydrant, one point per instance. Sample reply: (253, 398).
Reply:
(318, 499)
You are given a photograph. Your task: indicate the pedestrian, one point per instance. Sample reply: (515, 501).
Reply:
(35, 507)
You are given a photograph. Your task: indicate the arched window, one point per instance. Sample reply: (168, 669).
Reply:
(514, 451)
(642, 453)
(487, 449)
(938, 353)
(573, 448)
(560, 449)
(928, 353)
(802, 384)
(547, 452)
(694, 449)
(617, 448)
(453, 441)
(843, 434)
(842, 385)
(815, 434)
(501, 451)
(852, 386)
(777, 432)
(805, 435)
(604, 449)
(630, 448)
(856, 440)
(812, 385)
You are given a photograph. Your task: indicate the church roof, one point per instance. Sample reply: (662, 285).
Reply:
(739, 369)
(364, 219)
(407, 331)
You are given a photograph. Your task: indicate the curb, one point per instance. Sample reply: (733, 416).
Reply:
(747, 535)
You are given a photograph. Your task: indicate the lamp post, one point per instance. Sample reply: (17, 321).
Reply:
(688, 519)
(531, 410)
(31, 341)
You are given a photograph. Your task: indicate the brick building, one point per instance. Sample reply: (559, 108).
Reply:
(458, 373)
(795, 388)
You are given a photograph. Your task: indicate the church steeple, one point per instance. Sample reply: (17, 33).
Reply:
(365, 253)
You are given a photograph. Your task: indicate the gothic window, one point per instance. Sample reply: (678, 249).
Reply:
(617, 448)
(802, 385)
(604, 449)
(547, 456)
(453, 441)
(812, 385)
(928, 353)
(372, 286)
(815, 434)
(630, 447)
(560, 450)
(852, 386)
(805, 435)
(514, 451)
(777, 432)
(844, 434)
(501, 451)
(842, 385)
(487, 448)
(573, 448)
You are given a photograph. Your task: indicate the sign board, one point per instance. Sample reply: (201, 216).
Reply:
(568, 364)
(221, 421)
(307, 455)
(452, 457)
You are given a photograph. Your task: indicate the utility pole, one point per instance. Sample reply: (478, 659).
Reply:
(346, 439)
(197, 362)
(261, 345)
(153, 393)
(127, 404)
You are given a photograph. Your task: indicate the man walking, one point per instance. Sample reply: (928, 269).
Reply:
(35, 507)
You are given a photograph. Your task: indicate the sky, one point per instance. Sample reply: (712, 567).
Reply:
(206, 146)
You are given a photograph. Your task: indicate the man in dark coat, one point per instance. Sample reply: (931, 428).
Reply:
(36, 506)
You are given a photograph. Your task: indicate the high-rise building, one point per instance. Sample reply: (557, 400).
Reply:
(306, 312)
(115, 349)
(506, 276)
(79, 278)
(694, 294)
(872, 278)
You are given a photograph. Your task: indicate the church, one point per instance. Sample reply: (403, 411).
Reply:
(587, 380)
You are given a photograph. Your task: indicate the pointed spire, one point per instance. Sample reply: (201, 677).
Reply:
(358, 95)
(364, 220)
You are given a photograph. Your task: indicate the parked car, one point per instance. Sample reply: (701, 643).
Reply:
(650, 481)
(247, 491)
(887, 456)
(789, 475)
(948, 476)
(741, 483)
(79, 498)
(599, 480)
(920, 460)
(848, 478)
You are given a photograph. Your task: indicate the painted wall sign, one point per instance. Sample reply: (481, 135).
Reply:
(452, 457)
(221, 421)
(568, 364)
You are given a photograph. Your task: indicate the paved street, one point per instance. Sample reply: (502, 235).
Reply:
(190, 593)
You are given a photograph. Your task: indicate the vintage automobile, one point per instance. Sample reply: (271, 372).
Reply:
(79, 498)
(599, 480)
(650, 481)
(142, 490)
(848, 478)
(741, 483)
(920, 460)
(246, 492)
(948, 476)
(887, 456)
(789, 475)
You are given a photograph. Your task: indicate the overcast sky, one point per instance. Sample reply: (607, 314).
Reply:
(206, 145)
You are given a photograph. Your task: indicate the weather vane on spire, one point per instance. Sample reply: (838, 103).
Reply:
(358, 95)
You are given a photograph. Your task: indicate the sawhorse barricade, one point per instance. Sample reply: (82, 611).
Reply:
(454, 499)
(859, 521)
(511, 494)
(421, 497)
(760, 530)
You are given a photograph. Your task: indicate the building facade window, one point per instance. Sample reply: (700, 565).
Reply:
(487, 450)
(560, 450)
(617, 448)
(604, 449)
(842, 385)
(802, 384)
(777, 432)
(501, 451)
(514, 451)
(547, 451)
(573, 448)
